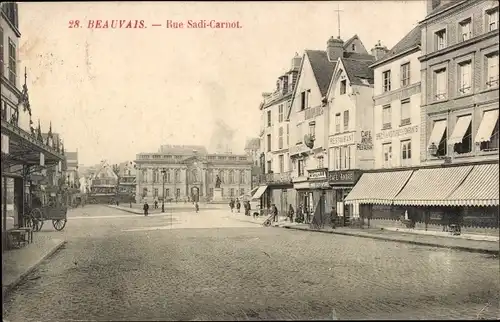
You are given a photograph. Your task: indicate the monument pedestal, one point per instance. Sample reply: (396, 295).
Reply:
(217, 195)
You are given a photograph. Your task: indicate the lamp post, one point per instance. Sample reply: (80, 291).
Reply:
(163, 191)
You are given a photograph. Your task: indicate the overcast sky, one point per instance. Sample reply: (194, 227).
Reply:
(112, 93)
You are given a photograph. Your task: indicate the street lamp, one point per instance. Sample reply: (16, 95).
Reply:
(163, 191)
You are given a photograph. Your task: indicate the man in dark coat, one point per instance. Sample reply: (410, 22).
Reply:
(238, 205)
(145, 208)
(333, 217)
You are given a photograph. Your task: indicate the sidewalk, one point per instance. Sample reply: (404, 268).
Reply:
(464, 243)
(258, 220)
(18, 263)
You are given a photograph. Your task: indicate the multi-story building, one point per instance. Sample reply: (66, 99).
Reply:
(252, 149)
(309, 119)
(349, 120)
(275, 179)
(190, 173)
(103, 183)
(127, 174)
(457, 180)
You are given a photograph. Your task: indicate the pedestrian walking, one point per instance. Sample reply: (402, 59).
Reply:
(196, 207)
(146, 208)
(333, 217)
(274, 211)
(231, 204)
(238, 205)
(156, 204)
(291, 212)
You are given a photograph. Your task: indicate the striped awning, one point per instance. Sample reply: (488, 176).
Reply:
(431, 187)
(260, 191)
(378, 188)
(480, 188)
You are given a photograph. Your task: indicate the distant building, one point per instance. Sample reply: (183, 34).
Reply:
(188, 172)
(252, 149)
(72, 169)
(103, 183)
(127, 178)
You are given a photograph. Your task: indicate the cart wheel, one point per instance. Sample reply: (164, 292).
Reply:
(36, 219)
(59, 224)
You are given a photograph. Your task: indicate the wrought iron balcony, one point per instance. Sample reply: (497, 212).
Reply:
(277, 178)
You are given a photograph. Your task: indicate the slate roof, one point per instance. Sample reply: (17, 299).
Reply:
(444, 6)
(357, 70)
(358, 56)
(322, 69)
(348, 42)
(412, 39)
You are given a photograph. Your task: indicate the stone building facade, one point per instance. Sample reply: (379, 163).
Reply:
(189, 173)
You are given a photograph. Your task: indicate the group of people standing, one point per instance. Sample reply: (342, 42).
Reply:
(237, 204)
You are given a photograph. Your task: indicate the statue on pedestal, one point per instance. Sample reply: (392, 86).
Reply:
(217, 181)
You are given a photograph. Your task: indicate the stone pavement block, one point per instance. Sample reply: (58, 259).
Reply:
(480, 246)
(18, 263)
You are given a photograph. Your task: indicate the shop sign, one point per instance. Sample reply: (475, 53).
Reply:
(344, 177)
(397, 132)
(317, 174)
(342, 139)
(319, 185)
(366, 141)
(300, 148)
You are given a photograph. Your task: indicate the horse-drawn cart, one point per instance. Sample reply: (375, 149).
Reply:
(55, 209)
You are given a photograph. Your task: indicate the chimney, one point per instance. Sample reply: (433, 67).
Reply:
(334, 48)
(296, 61)
(432, 4)
(379, 51)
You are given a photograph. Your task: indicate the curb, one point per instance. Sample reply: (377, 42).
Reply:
(126, 210)
(412, 242)
(7, 288)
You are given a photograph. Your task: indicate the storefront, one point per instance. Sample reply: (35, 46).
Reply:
(312, 193)
(341, 183)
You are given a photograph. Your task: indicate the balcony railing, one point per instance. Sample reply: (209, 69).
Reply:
(284, 177)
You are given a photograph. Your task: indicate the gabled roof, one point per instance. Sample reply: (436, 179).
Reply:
(322, 69)
(357, 70)
(348, 42)
(411, 40)
(358, 56)
(105, 166)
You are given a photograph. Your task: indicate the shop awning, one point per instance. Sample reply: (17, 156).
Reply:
(480, 188)
(486, 127)
(260, 191)
(461, 127)
(437, 132)
(378, 188)
(431, 187)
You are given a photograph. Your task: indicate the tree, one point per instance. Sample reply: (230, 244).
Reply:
(116, 170)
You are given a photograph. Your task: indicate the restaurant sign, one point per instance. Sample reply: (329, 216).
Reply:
(317, 174)
(344, 177)
(397, 133)
(342, 139)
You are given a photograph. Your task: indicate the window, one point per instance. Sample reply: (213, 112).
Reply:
(268, 118)
(343, 87)
(281, 160)
(440, 79)
(177, 193)
(492, 70)
(268, 142)
(336, 153)
(144, 192)
(280, 113)
(386, 117)
(300, 167)
(144, 175)
(167, 193)
(302, 101)
(386, 78)
(269, 167)
(167, 176)
(465, 30)
(280, 138)
(405, 112)
(242, 191)
(346, 157)
(337, 123)
(231, 176)
(405, 74)
(492, 144)
(156, 176)
(299, 133)
(242, 176)
(440, 39)
(231, 192)
(12, 62)
(492, 19)
(177, 175)
(442, 133)
(346, 120)
(321, 162)
(465, 78)
(405, 153)
(387, 153)
(465, 146)
(288, 134)
(155, 191)
(312, 129)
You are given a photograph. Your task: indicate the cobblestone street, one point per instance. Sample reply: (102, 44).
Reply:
(120, 266)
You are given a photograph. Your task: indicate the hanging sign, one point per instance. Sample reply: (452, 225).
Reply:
(5, 144)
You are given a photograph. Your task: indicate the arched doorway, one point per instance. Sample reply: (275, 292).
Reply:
(195, 194)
